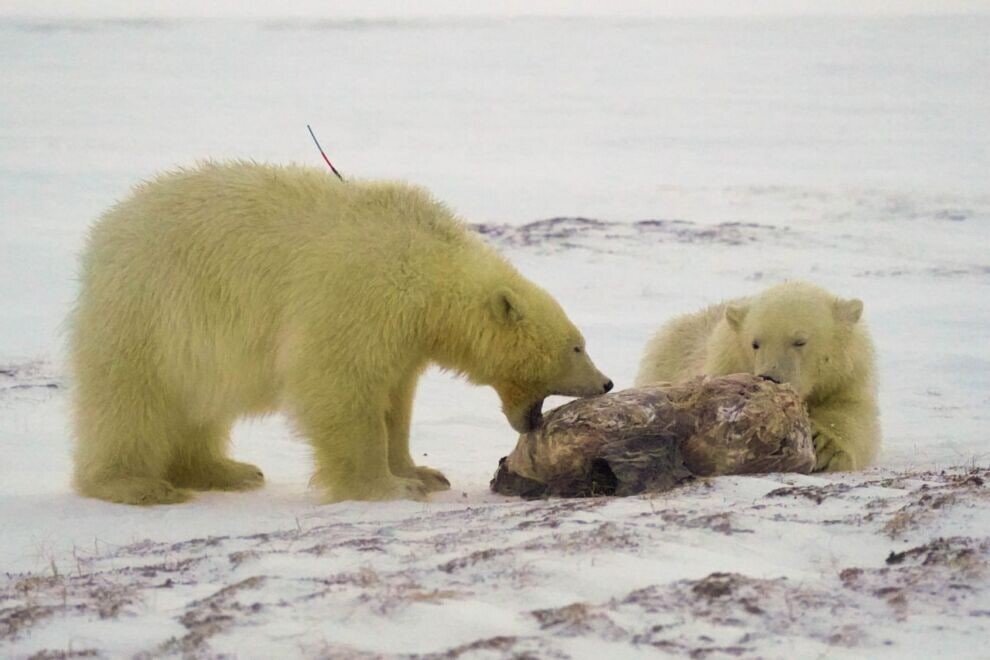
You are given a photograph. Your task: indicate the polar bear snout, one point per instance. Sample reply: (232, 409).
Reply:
(592, 389)
(579, 377)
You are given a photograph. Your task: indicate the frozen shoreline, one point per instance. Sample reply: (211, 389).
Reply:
(637, 170)
(892, 562)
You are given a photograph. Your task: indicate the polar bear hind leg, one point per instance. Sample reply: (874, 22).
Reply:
(200, 461)
(124, 447)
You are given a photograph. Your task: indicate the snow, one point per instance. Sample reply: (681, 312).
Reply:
(390, 9)
(685, 160)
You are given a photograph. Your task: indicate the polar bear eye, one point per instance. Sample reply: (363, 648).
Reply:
(756, 345)
(798, 343)
(577, 349)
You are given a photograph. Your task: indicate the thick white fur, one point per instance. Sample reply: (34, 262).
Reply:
(833, 370)
(236, 289)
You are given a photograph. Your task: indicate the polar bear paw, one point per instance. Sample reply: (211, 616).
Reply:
(223, 474)
(136, 490)
(829, 457)
(434, 480)
(377, 490)
(395, 488)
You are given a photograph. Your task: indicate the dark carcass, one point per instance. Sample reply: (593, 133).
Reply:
(649, 439)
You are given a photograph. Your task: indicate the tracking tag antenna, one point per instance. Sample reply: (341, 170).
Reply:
(323, 153)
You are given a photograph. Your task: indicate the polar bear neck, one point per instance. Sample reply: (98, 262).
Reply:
(434, 277)
(461, 332)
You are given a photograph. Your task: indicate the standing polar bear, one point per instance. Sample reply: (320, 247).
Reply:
(239, 289)
(794, 333)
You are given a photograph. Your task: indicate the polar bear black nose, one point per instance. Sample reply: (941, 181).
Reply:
(772, 379)
(608, 386)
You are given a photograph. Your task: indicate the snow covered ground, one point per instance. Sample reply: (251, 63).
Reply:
(637, 169)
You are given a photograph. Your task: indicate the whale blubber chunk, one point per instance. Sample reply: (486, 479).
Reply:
(649, 439)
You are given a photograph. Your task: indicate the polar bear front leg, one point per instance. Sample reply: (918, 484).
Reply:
(350, 443)
(398, 422)
(846, 436)
(829, 454)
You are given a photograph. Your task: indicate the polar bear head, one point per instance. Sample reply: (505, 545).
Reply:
(527, 349)
(797, 333)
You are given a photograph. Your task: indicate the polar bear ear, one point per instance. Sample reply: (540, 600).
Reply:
(849, 311)
(507, 306)
(734, 315)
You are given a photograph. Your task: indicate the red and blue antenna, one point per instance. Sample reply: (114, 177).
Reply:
(323, 153)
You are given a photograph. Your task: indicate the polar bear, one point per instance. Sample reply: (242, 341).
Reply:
(234, 289)
(795, 333)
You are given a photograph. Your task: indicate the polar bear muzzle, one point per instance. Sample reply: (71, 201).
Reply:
(524, 411)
